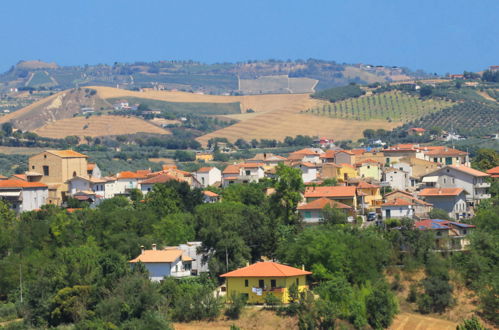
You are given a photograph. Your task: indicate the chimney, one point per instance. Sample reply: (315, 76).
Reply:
(247, 264)
(302, 267)
(154, 246)
(142, 248)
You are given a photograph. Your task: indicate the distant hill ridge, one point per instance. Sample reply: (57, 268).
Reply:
(251, 77)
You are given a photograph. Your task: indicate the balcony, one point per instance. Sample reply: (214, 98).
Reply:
(482, 185)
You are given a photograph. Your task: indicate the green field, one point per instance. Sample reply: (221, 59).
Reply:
(183, 107)
(392, 106)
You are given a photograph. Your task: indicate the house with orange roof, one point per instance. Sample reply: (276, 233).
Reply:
(210, 196)
(23, 195)
(96, 185)
(258, 280)
(395, 153)
(312, 212)
(55, 168)
(208, 176)
(242, 173)
(416, 131)
(369, 168)
(472, 181)
(170, 261)
(128, 180)
(448, 235)
(269, 160)
(446, 156)
(451, 200)
(370, 193)
(344, 157)
(494, 172)
(346, 172)
(343, 194)
(311, 155)
(93, 170)
(328, 156)
(147, 185)
(420, 207)
(397, 208)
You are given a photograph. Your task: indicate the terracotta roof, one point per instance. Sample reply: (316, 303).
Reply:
(90, 166)
(329, 154)
(358, 151)
(19, 177)
(321, 203)
(267, 157)
(347, 165)
(417, 129)
(306, 164)
(143, 173)
(162, 178)
(440, 224)
(67, 154)
(367, 161)
(494, 172)
(231, 169)
(250, 165)
(441, 191)
(405, 146)
(445, 152)
(468, 170)
(338, 191)
(366, 185)
(397, 202)
(168, 255)
(2, 177)
(16, 183)
(266, 269)
(210, 193)
(345, 151)
(140, 174)
(204, 169)
(306, 152)
(72, 210)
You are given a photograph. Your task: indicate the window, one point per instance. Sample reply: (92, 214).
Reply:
(44, 156)
(248, 172)
(33, 167)
(46, 170)
(74, 174)
(187, 266)
(445, 180)
(261, 283)
(176, 268)
(246, 283)
(439, 233)
(272, 284)
(308, 214)
(297, 281)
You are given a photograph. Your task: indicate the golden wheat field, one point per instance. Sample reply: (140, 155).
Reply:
(97, 126)
(27, 109)
(276, 115)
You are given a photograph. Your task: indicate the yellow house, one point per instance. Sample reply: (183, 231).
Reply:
(204, 156)
(369, 168)
(346, 172)
(371, 194)
(55, 168)
(262, 278)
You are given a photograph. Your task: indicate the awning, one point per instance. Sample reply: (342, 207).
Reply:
(10, 193)
(430, 179)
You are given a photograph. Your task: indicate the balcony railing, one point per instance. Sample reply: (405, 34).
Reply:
(482, 185)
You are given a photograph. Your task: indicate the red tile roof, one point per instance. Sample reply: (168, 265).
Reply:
(441, 192)
(231, 169)
(16, 183)
(210, 193)
(445, 151)
(397, 202)
(338, 191)
(162, 178)
(417, 129)
(468, 170)
(328, 154)
(494, 172)
(306, 152)
(204, 169)
(19, 177)
(167, 256)
(347, 165)
(266, 269)
(366, 185)
(67, 154)
(367, 161)
(321, 203)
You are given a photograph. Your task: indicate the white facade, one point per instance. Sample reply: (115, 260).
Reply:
(397, 179)
(159, 270)
(208, 178)
(191, 249)
(25, 198)
(308, 173)
(397, 211)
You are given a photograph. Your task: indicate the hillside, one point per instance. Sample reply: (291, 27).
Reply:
(251, 77)
(61, 105)
(97, 126)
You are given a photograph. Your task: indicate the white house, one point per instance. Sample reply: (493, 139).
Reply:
(146, 185)
(308, 171)
(397, 208)
(126, 181)
(23, 195)
(397, 179)
(199, 264)
(307, 155)
(210, 197)
(170, 261)
(453, 176)
(208, 176)
(451, 200)
(242, 173)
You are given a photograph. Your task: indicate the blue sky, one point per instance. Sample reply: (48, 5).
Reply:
(434, 35)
